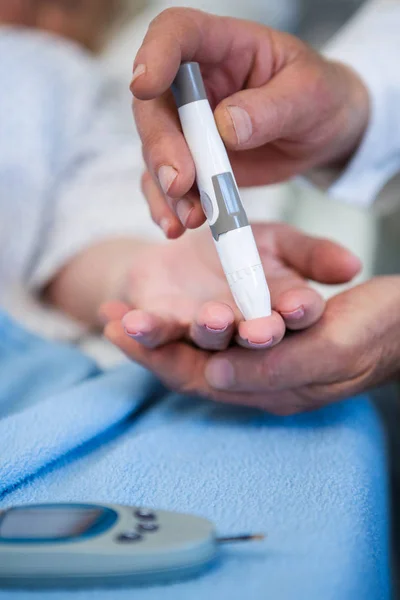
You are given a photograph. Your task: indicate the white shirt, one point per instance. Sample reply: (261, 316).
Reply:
(70, 168)
(371, 45)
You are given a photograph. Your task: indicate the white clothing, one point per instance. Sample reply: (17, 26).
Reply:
(370, 44)
(70, 168)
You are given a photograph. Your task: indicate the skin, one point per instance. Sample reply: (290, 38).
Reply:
(280, 107)
(178, 291)
(354, 346)
(301, 111)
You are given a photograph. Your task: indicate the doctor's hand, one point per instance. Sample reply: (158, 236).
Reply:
(280, 107)
(353, 347)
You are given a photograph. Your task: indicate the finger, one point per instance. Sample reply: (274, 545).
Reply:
(161, 213)
(341, 355)
(261, 333)
(113, 311)
(165, 151)
(181, 367)
(174, 215)
(151, 330)
(260, 115)
(298, 304)
(213, 327)
(183, 34)
(314, 258)
(297, 361)
(300, 307)
(179, 35)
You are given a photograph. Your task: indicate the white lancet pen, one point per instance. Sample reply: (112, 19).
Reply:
(219, 195)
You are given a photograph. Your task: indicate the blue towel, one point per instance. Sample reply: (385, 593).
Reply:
(316, 483)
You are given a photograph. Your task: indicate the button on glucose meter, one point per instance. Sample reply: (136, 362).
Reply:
(129, 536)
(148, 527)
(145, 513)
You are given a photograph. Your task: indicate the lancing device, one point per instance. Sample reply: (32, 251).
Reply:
(219, 195)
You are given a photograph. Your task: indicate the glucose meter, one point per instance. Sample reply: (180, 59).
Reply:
(65, 545)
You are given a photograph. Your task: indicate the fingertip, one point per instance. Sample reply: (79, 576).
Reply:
(144, 328)
(173, 230)
(215, 316)
(141, 86)
(213, 326)
(196, 217)
(146, 83)
(334, 264)
(137, 323)
(156, 64)
(300, 308)
(115, 333)
(188, 209)
(176, 234)
(353, 264)
(263, 332)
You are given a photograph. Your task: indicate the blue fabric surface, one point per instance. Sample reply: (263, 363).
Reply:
(315, 483)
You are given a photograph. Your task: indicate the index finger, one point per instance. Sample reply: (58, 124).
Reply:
(182, 34)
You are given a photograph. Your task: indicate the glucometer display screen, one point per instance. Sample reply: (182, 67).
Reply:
(50, 523)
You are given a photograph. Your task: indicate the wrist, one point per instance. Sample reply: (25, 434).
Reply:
(96, 275)
(352, 116)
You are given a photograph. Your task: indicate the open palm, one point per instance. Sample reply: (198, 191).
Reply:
(178, 289)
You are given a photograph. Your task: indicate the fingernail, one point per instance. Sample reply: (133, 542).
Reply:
(241, 123)
(137, 72)
(135, 335)
(220, 374)
(261, 344)
(216, 329)
(294, 315)
(183, 209)
(165, 224)
(166, 177)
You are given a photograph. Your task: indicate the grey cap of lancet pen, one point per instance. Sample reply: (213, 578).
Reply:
(188, 84)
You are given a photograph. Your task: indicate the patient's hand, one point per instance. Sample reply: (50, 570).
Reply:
(177, 291)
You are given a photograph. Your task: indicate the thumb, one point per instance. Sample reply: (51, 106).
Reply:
(282, 108)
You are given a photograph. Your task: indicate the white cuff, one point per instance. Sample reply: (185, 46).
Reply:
(371, 46)
(378, 157)
(103, 201)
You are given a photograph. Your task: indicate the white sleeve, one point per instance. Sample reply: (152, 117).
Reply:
(97, 194)
(370, 44)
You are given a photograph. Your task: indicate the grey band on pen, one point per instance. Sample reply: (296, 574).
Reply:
(231, 214)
